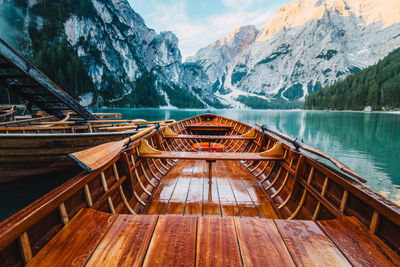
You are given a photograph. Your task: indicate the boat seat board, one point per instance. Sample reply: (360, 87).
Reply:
(209, 156)
(211, 137)
(76, 241)
(94, 238)
(349, 231)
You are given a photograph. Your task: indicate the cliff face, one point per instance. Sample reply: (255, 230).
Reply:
(129, 64)
(306, 45)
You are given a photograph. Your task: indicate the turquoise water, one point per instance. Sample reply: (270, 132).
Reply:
(369, 143)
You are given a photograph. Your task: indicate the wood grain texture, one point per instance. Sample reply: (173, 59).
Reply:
(173, 242)
(266, 210)
(126, 242)
(210, 156)
(308, 245)
(359, 245)
(261, 243)
(217, 242)
(76, 241)
(210, 137)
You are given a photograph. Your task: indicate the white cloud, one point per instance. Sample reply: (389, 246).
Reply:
(194, 34)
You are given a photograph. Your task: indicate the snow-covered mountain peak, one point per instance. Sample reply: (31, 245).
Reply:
(307, 45)
(299, 12)
(240, 34)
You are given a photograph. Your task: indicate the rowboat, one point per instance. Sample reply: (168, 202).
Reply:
(7, 113)
(153, 200)
(40, 145)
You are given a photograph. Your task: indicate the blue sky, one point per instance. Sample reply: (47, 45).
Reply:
(198, 23)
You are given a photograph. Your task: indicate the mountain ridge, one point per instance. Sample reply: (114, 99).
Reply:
(297, 54)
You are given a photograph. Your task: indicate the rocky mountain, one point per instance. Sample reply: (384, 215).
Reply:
(128, 63)
(306, 45)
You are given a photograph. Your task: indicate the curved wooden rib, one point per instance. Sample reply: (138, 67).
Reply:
(121, 190)
(275, 179)
(138, 178)
(303, 197)
(323, 192)
(109, 200)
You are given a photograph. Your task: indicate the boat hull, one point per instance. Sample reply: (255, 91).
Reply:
(24, 155)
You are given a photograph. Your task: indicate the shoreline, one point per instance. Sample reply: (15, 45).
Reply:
(314, 110)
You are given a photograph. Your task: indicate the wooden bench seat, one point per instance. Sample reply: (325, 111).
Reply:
(358, 244)
(94, 238)
(208, 127)
(211, 137)
(209, 156)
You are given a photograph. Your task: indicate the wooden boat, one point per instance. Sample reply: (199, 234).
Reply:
(41, 145)
(151, 200)
(7, 113)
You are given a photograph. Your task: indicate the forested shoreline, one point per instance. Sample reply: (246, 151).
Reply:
(377, 86)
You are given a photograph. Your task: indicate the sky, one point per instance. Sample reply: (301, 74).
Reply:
(197, 23)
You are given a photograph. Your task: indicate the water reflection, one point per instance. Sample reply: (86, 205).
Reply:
(367, 142)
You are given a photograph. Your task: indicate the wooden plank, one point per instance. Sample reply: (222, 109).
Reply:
(217, 243)
(196, 190)
(266, 210)
(210, 156)
(261, 243)
(175, 208)
(360, 246)
(181, 190)
(211, 208)
(157, 206)
(230, 209)
(308, 245)
(76, 241)
(247, 209)
(240, 192)
(225, 190)
(173, 242)
(210, 137)
(193, 208)
(125, 243)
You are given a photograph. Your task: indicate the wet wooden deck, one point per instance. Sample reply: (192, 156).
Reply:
(94, 238)
(233, 192)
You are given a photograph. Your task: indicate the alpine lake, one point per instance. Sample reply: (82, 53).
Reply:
(369, 143)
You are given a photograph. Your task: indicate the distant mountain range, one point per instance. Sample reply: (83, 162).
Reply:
(102, 52)
(306, 45)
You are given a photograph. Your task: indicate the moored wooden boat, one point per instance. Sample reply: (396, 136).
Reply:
(7, 113)
(41, 145)
(262, 202)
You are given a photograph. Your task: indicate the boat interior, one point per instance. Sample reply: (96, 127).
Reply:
(161, 202)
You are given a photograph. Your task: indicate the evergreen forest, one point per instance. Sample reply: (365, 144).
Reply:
(377, 86)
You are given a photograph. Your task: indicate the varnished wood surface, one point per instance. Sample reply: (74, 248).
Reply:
(173, 242)
(217, 243)
(233, 192)
(74, 244)
(356, 242)
(211, 137)
(126, 242)
(308, 244)
(210, 156)
(253, 235)
(94, 238)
